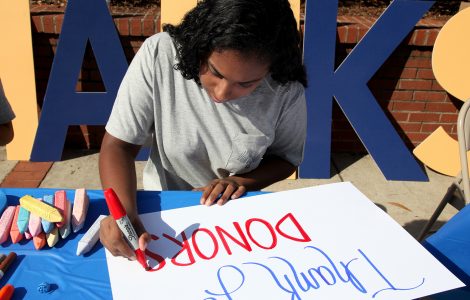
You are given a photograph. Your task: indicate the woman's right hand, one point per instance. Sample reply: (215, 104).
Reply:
(117, 170)
(112, 238)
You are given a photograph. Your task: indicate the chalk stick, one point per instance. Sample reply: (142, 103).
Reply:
(35, 227)
(3, 201)
(80, 209)
(46, 225)
(41, 209)
(53, 237)
(39, 241)
(27, 235)
(90, 238)
(15, 233)
(5, 222)
(7, 291)
(66, 228)
(23, 220)
(59, 202)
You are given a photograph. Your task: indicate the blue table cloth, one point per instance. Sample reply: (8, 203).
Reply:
(451, 246)
(71, 276)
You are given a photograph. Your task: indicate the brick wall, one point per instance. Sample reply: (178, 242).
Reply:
(404, 86)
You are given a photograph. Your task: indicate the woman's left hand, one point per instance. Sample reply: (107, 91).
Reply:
(220, 191)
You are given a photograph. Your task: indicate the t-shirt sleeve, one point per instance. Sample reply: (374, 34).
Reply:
(132, 115)
(6, 113)
(291, 128)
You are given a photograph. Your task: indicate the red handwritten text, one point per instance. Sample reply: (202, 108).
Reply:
(255, 232)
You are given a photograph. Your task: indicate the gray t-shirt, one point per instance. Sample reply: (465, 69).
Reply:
(193, 139)
(6, 113)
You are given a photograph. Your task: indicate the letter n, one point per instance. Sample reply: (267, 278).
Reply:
(84, 20)
(348, 85)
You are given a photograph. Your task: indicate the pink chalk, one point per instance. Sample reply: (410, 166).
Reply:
(60, 198)
(80, 209)
(5, 223)
(15, 233)
(27, 235)
(35, 226)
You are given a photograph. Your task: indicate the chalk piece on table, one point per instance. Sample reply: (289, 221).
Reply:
(66, 227)
(46, 225)
(23, 220)
(5, 223)
(27, 235)
(41, 209)
(44, 288)
(59, 202)
(53, 237)
(35, 226)
(15, 233)
(80, 209)
(3, 201)
(6, 292)
(90, 237)
(39, 241)
(5, 264)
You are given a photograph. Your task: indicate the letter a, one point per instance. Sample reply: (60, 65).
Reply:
(84, 20)
(348, 85)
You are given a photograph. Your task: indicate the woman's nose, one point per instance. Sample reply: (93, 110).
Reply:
(222, 90)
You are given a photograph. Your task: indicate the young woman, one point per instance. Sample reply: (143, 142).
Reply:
(220, 96)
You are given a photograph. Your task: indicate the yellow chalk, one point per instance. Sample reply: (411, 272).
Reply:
(53, 237)
(44, 210)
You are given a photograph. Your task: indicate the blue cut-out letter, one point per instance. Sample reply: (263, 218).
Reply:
(348, 85)
(84, 20)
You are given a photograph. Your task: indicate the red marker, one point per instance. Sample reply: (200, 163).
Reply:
(119, 214)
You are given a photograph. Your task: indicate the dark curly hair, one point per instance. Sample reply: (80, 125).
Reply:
(266, 28)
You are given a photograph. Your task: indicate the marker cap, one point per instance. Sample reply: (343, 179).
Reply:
(115, 206)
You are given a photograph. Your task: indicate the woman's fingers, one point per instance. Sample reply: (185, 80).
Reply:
(227, 194)
(144, 240)
(220, 191)
(239, 192)
(214, 191)
(112, 239)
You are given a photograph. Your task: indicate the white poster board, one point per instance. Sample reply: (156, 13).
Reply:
(325, 242)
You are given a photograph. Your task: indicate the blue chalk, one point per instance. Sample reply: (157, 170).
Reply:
(3, 201)
(46, 225)
(44, 287)
(23, 219)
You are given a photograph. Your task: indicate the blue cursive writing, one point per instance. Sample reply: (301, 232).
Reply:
(226, 293)
(295, 283)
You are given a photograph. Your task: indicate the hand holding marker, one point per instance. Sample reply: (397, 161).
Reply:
(119, 214)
